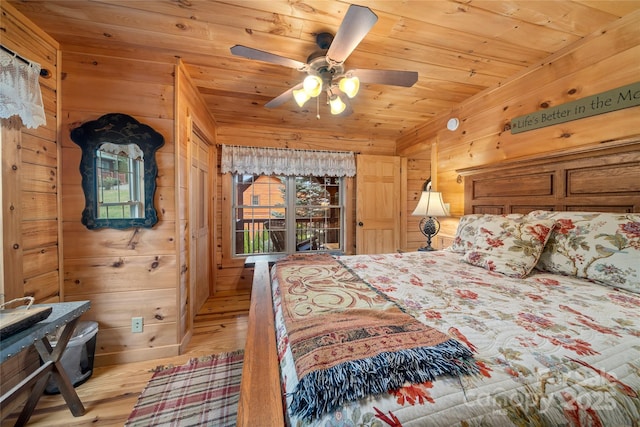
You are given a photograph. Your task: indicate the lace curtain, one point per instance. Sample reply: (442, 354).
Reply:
(20, 90)
(131, 151)
(279, 161)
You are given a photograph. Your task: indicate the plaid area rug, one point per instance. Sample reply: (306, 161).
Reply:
(204, 392)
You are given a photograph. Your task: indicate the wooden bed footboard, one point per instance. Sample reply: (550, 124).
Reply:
(260, 392)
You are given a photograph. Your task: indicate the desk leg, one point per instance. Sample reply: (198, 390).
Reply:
(31, 382)
(67, 391)
(47, 353)
(36, 392)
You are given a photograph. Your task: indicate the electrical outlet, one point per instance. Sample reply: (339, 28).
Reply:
(136, 324)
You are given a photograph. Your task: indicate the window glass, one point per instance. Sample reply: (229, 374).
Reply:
(278, 214)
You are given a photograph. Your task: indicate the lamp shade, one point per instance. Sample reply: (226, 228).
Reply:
(301, 97)
(312, 85)
(430, 204)
(337, 105)
(350, 86)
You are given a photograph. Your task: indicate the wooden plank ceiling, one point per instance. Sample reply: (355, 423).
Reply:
(458, 48)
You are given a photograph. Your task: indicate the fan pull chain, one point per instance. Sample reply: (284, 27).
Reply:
(318, 107)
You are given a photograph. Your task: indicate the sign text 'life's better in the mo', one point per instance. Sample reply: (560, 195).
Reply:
(605, 102)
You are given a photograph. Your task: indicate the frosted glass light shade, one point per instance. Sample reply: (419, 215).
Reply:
(301, 97)
(430, 204)
(350, 86)
(312, 85)
(337, 105)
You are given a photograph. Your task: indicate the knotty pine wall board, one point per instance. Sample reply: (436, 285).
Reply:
(600, 61)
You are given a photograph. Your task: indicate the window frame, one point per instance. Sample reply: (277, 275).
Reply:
(224, 236)
(291, 210)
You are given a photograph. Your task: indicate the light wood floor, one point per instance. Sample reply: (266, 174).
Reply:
(112, 391)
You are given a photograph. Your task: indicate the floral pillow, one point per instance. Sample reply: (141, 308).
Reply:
(604, 247)
(468, 229)
(510, 246)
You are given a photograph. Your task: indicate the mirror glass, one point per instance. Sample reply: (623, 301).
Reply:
(118, 171)
(120, 181)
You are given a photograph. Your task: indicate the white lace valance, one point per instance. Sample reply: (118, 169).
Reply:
(279, 161)
(20, 90)
(131, 151)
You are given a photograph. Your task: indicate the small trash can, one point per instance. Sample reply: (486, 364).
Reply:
(77, 359)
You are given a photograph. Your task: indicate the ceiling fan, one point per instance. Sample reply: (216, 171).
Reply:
(325, 67)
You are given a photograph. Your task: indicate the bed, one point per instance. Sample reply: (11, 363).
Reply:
(546, 303)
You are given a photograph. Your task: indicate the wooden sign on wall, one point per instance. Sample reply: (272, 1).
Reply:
(605, 102)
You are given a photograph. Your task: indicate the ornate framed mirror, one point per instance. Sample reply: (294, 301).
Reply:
(119, 170)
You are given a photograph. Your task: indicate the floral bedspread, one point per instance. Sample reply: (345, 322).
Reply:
(551, 350)
(339, 327)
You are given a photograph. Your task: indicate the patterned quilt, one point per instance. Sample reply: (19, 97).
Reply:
(349, 341)
(551, 350)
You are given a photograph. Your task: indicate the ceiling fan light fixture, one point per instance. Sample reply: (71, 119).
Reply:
(312, 85)
(336, 104)
(301, 97)
(350, 86)
(325, 67)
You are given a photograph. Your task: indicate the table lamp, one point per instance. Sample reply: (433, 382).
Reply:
(429, 207)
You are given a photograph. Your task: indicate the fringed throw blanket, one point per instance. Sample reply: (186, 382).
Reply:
(348, 341)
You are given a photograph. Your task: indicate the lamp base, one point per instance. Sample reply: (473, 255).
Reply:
(429, 226)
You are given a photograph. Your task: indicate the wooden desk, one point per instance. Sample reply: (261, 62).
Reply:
(63, 314)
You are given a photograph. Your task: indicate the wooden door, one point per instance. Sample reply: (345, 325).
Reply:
(200, 203)
(377, 204)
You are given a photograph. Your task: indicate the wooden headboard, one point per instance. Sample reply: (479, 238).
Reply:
(601, 179)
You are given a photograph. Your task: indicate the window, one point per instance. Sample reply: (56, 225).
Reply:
(280, 214)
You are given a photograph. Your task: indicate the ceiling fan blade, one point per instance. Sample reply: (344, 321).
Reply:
(282, 98)
(260, 55)
(355, 25)
(386, 77)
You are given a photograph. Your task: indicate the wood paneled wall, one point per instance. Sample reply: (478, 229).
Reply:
(30, 175)
(601, 61)
(29, 190)
(263, 136)
(121, 271)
